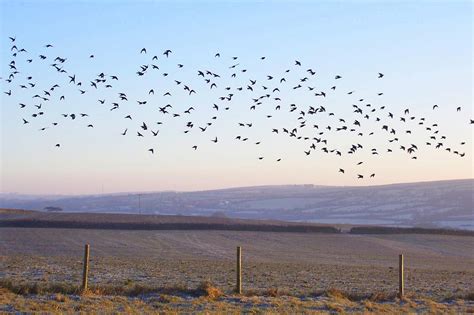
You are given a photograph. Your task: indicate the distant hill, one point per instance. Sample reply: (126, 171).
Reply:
(447, 204)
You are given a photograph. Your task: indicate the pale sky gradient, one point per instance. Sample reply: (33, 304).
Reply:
(423, 48)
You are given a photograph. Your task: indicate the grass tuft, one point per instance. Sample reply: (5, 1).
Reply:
(336, 293)
(209, 290)
(206, 289)
(466, 296)
(36, 288)
(353, 297)
(59, 297)
(382, 297)
(469, 296)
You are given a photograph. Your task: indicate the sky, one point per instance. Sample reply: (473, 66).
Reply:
(423, 48)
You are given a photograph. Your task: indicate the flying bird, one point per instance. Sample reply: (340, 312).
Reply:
(298, 122)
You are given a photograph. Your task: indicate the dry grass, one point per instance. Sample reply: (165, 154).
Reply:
(468, 296)
(38, 288)
(271, 292)
(378, 297)
(206, 289)
(209, 290)
(209, 299)
(58, 297)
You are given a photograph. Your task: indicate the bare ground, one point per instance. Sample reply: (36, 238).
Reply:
(437, 266)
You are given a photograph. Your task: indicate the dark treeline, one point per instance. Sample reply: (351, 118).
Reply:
(167, 226)
(71, 223)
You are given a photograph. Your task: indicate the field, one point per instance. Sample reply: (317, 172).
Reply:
(164, 270)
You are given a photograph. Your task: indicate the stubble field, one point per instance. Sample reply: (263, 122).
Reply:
(131, 265)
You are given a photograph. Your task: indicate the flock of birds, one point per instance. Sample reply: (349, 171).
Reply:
(267, 93)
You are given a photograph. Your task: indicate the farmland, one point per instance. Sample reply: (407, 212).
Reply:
(294, 265)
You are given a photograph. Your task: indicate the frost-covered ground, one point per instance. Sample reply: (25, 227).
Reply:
(436, 266)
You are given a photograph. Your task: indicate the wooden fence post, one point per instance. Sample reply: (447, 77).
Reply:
(238, 288)
(401, 284)
(86, 268)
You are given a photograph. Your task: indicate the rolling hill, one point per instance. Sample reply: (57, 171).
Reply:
(446, 204)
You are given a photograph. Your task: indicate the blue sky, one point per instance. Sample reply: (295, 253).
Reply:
(423, 48)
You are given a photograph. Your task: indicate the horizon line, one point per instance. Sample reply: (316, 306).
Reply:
(230, 188)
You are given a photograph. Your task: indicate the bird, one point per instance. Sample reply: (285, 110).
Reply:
(297, 122)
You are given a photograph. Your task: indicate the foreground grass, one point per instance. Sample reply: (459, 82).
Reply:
(208, 299)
